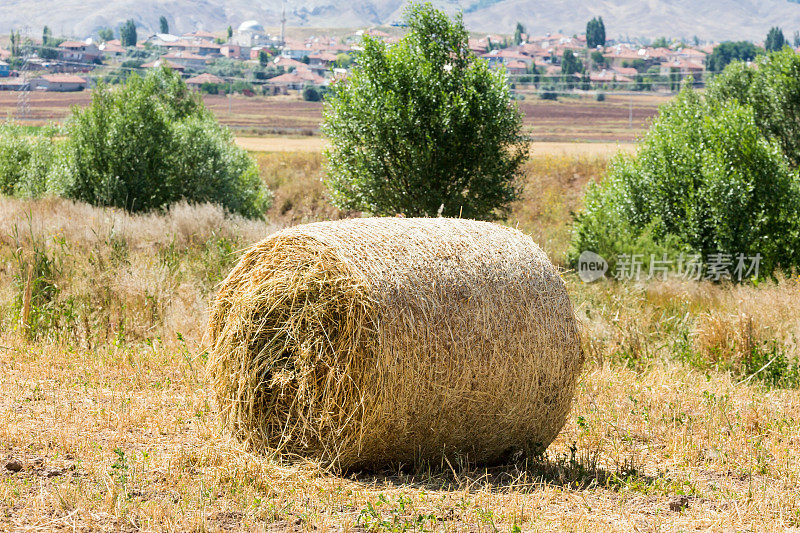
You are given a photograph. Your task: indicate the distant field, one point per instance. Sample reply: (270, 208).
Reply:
(617, 119)
(316, 144)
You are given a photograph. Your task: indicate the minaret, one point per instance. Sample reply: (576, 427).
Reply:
(283, 23)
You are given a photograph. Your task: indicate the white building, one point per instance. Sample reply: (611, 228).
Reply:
(249, 34)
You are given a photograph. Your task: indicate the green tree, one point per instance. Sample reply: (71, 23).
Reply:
(771, 88)
(705, 181)
(520, 29)
(775, 40)
(343, 60)
(163, 24)
(725, 53)
(661, 42)
(230, 32)
(423, 127)
(105, 34)
(16, 44)
(570, 64)
(311, 94)
(48, 49)
(151, 142)
(595, 33)
(796, 39)
(598, 59)
(263, 58)
(127, 33)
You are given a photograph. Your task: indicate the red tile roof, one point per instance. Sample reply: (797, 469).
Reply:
(158, 62)
(204, 78)
(72, 44)
(63, 78)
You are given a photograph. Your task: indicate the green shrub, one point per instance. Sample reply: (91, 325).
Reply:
(15, 152)
(705, 181)
(150, 143)
(423, 127)
(25, 157)
(311, 94)
(772, 88)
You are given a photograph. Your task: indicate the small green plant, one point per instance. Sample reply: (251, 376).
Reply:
(769, 364)
(119, 469)
(395, 516)
(36, 305)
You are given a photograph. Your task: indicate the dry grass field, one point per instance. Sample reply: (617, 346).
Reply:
(687, 415)
(538, 148)
(617, 119)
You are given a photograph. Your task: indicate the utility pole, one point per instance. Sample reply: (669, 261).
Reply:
(630, 112)
(23, 99)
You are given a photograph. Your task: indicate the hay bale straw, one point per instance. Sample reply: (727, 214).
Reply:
(377, 341)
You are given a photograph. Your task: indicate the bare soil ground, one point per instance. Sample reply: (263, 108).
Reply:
(617, 119)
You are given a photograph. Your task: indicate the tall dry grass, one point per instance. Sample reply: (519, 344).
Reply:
(103, 274)
(553, 187)
(300, 195)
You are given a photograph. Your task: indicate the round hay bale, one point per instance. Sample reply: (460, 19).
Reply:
(377, 341)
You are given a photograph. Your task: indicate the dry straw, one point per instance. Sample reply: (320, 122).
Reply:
(378, 341)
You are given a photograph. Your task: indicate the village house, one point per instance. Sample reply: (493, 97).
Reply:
(5, 70)
(197, 81)
(158, 63)
(607, 77)
(321, 63)
(162, 39)
(233, 51)
(59, 83)
(294, 80)
(200, 34)
(477, 47)
(288, 64)
(684, 68)
(13, 84)
(516, 68)
(255, 52)
(187, 59)
(620, 56)
(294, 49)
(629, 72)
(79, 52)
(504, 57)
(111, 49)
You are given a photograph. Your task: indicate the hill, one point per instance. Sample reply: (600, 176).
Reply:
(712, 19)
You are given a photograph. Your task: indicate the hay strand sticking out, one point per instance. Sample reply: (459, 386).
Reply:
(378, 341)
